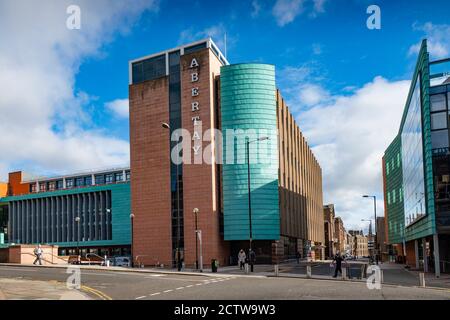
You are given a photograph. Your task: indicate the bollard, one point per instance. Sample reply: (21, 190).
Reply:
(381, 276)
(344, 273)
(422, 279)
(308, 271)
(277, 271)
(246, 268)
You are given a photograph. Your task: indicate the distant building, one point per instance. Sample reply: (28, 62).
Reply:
(328, 217)
(360, 243)
(339, 232)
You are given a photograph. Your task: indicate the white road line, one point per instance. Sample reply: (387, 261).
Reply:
(170, 290)
(190, 286)
(199, 284)
(141, 297)
(155, 294)
(180, 288)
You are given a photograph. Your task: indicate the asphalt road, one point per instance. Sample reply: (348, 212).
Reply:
(132, 285)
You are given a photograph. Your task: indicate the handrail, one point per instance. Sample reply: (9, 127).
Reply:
(96, 255)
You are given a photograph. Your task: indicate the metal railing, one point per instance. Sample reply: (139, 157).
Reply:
(95, 255)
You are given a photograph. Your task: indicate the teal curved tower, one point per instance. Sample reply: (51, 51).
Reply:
(249, 114)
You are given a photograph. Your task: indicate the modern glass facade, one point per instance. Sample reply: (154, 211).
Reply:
(413, 164)
(248, 104)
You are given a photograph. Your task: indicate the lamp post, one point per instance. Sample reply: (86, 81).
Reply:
(132, 235)
(167, 126)
(195, 211)
(375, 227)
(77, 220)
(249, 190)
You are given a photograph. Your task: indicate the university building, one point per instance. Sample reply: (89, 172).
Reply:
(161, 210)
(416, 171)
(194, 88)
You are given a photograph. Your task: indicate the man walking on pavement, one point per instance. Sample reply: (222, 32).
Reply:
(38, 254)
(241, 259)
(337, 260)
(252, 259)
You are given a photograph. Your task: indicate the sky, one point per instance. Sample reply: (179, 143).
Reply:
(64, 93)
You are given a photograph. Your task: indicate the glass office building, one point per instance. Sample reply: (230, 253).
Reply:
(416, 170)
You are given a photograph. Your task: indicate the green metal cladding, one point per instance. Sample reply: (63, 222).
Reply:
(394, 191)
(120, 210)
(248, 102)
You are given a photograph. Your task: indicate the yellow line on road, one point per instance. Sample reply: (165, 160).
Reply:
(96, 292)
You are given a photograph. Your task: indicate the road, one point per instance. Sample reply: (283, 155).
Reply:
(141, 286)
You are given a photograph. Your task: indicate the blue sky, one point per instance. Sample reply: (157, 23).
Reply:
(345, 84)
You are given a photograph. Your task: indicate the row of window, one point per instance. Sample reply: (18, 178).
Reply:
(390, 165)
(440, 120)
(393, 196)
(81, 182)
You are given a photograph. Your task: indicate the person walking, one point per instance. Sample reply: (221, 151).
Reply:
(337, 260)
(38, 254)
(241, 258)
(297, 256)
(252, 259)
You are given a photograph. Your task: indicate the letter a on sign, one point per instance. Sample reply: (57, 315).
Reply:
(194, 63)
(374, 21)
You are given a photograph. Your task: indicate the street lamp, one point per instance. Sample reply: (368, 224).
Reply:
(165, 125)
(132, 235)
(77, 220)
(249, 190)
(195, 211)
(375, 227)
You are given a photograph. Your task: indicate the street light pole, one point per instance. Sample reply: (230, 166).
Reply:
(77, 220)
(178, 253)
(375, 227)
(132, 235)
(249, 191)
(196, 237)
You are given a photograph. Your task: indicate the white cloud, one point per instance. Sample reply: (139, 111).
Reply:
(438, 40)
(45, 124)
(285, 11)
(120, 107)
(312, 94)
(256, 8)
(349, 135)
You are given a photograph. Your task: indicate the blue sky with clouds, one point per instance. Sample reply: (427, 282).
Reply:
(346, 84)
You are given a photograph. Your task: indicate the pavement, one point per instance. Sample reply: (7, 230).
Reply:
(21, 289)
(144, 284)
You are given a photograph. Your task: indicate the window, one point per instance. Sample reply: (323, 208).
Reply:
(52, 186)
(100, 179)
(119, 177)
(109, 178)
(389, 197)
(79, 182)
(69, 183)
(42, 187)
(438, 120)
(393, 196)
(88, 181)
(439, 139)
(59, 184)
(387, 168)
(128, 175)
(149, 69)
(33, 187)
(437, 102)
(398, 160)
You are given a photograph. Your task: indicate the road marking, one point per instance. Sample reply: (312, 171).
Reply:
(170, 290)
(179, 288)
(141, 297)
(98, 293)
(199, 284)
(155, 294)
(190, 286)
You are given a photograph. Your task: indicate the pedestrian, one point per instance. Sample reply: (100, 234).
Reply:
(252, 259)
(297, 255)
(337, 260)
(241, 258)
(38, 254)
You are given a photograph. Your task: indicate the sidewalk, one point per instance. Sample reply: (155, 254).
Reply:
(14, 289)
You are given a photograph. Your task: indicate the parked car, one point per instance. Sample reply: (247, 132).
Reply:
(121, 261)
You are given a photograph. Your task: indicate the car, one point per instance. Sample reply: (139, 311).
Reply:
(121, 261)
